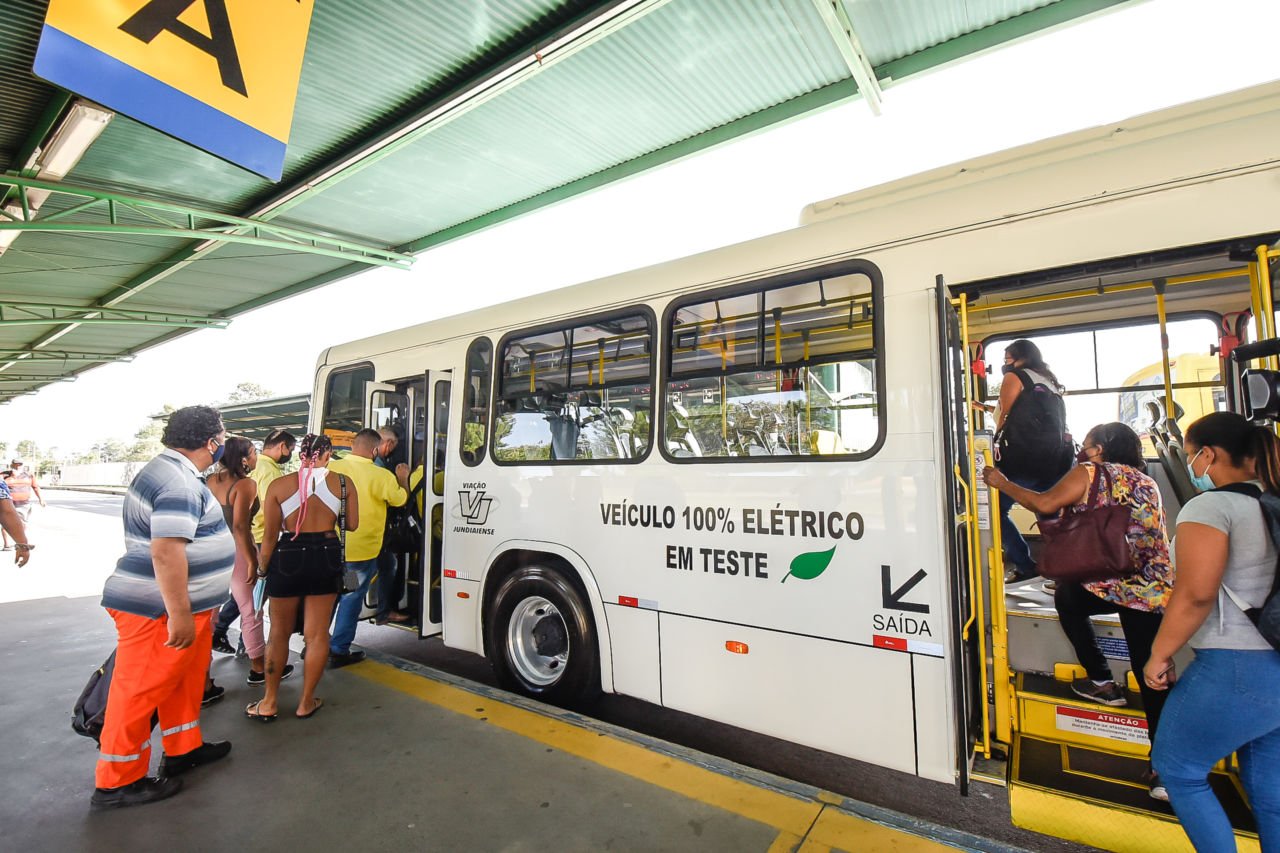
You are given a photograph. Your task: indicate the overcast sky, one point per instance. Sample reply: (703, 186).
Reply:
(1146, 56)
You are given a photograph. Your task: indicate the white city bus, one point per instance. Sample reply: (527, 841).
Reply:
(740, 484)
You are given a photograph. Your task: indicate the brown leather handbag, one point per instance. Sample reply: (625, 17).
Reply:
(1089, 543)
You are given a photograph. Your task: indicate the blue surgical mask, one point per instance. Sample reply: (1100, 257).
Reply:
(218, 451)
(1203, 482)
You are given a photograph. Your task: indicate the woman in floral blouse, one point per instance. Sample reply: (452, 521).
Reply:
(1139, 597)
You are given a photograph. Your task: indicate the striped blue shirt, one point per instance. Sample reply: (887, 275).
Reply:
(4, 491)
(168, 500)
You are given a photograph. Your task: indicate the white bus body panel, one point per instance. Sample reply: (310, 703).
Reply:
(854, 660)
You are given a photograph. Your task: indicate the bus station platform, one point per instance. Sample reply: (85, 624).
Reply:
(401, 757)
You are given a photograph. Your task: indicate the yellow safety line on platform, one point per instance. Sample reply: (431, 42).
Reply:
(837, 830)
(797, 819)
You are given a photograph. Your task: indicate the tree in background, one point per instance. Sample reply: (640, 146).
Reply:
(247, 392)
(28, 451)
(146, 441)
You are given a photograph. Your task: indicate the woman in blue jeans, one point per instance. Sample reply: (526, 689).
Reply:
(1229, 699)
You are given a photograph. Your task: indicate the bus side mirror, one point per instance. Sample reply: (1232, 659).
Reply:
(1261, 395)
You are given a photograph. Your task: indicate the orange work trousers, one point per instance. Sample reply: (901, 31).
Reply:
(151, 678)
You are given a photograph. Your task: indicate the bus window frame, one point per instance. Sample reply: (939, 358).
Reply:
(1211, 316)
(495, 392)
(777, 282)
(328, 377)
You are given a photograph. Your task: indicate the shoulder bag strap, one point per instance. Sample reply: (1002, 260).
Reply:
(342, 513)
(1095, 489)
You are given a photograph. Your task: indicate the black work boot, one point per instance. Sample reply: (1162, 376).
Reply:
(148, 789)
(205, 753)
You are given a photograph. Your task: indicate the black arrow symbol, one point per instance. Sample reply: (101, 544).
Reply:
(892, 598)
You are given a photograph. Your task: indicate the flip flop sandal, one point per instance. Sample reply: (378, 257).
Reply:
(319, 704)
(251, 711)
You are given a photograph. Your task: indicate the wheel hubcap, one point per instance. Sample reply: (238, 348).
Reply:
(538, 640)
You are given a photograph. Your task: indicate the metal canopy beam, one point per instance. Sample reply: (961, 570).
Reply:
(34, 355)
(836, 19)
(31, 377)
(166, 219)
(44, 313)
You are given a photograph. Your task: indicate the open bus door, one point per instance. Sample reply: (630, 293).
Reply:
(433, 441)
(971, 702)
(385, 406)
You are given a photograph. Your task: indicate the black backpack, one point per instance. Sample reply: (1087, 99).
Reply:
(1266, 617)
(91, 708)
(1034, 442)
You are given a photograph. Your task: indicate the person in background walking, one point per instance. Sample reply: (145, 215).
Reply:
(301, 562)
(233, 486)
(1228, 700)
(378, 489)
(177, 564)
(277, 450)
(22, 488)
(12, 525)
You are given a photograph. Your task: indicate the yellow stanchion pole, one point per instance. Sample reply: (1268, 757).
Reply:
(977, 597)
(1170, 411)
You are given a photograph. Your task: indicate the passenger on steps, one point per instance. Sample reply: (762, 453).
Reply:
(1228, 700)
(1139, 597)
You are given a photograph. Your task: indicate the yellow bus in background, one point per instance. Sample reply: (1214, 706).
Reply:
(1188, 403)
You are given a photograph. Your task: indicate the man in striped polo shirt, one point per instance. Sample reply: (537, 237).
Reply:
(174, 573)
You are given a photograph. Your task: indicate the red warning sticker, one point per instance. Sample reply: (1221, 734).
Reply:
(1101, 724)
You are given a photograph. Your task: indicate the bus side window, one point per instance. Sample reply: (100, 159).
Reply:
(778, 371)
(475, 401)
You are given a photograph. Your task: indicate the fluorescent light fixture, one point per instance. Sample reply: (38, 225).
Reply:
(57, 156)
(82, 125)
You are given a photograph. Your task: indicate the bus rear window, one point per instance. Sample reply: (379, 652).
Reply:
(577, 393)
(783, 371)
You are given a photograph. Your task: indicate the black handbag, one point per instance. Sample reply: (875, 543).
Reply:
(1089, 544)
(404, 526)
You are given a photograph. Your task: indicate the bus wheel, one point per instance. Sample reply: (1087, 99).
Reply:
(542, 641)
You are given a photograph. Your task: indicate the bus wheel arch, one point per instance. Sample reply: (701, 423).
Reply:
(540, 633)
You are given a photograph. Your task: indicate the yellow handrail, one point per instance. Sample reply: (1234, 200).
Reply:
(1000, 682)
(975, 551)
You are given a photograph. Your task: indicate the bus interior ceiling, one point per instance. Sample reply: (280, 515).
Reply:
(1214, 280)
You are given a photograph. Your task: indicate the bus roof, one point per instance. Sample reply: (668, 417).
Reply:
(1077, 168)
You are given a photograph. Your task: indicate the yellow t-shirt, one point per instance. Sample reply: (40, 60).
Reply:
(377, 489)
(267, 472)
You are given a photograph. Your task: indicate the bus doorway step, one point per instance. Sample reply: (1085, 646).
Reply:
(1100, 799)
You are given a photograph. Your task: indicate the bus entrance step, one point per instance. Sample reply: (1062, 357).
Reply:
(1101, 799)
(1049, 710)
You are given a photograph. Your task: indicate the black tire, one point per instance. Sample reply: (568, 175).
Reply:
(541, 638)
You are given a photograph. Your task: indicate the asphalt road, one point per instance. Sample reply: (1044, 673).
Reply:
(78, 538)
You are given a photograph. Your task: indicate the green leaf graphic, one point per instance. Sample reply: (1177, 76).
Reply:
(808, 566)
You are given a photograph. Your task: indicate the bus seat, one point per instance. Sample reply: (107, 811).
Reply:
(1173, 459)
(825, 442)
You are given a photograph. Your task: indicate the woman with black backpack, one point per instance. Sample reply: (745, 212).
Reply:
(1229, 698)
(1033, 447)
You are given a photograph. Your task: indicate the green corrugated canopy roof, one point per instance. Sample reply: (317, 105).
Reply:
(418, 122)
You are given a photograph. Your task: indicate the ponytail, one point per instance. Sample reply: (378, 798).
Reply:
(1242, 441)
(1265, 450)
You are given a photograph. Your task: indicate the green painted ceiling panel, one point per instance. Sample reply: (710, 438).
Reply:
(671, 75)
(892, 29)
